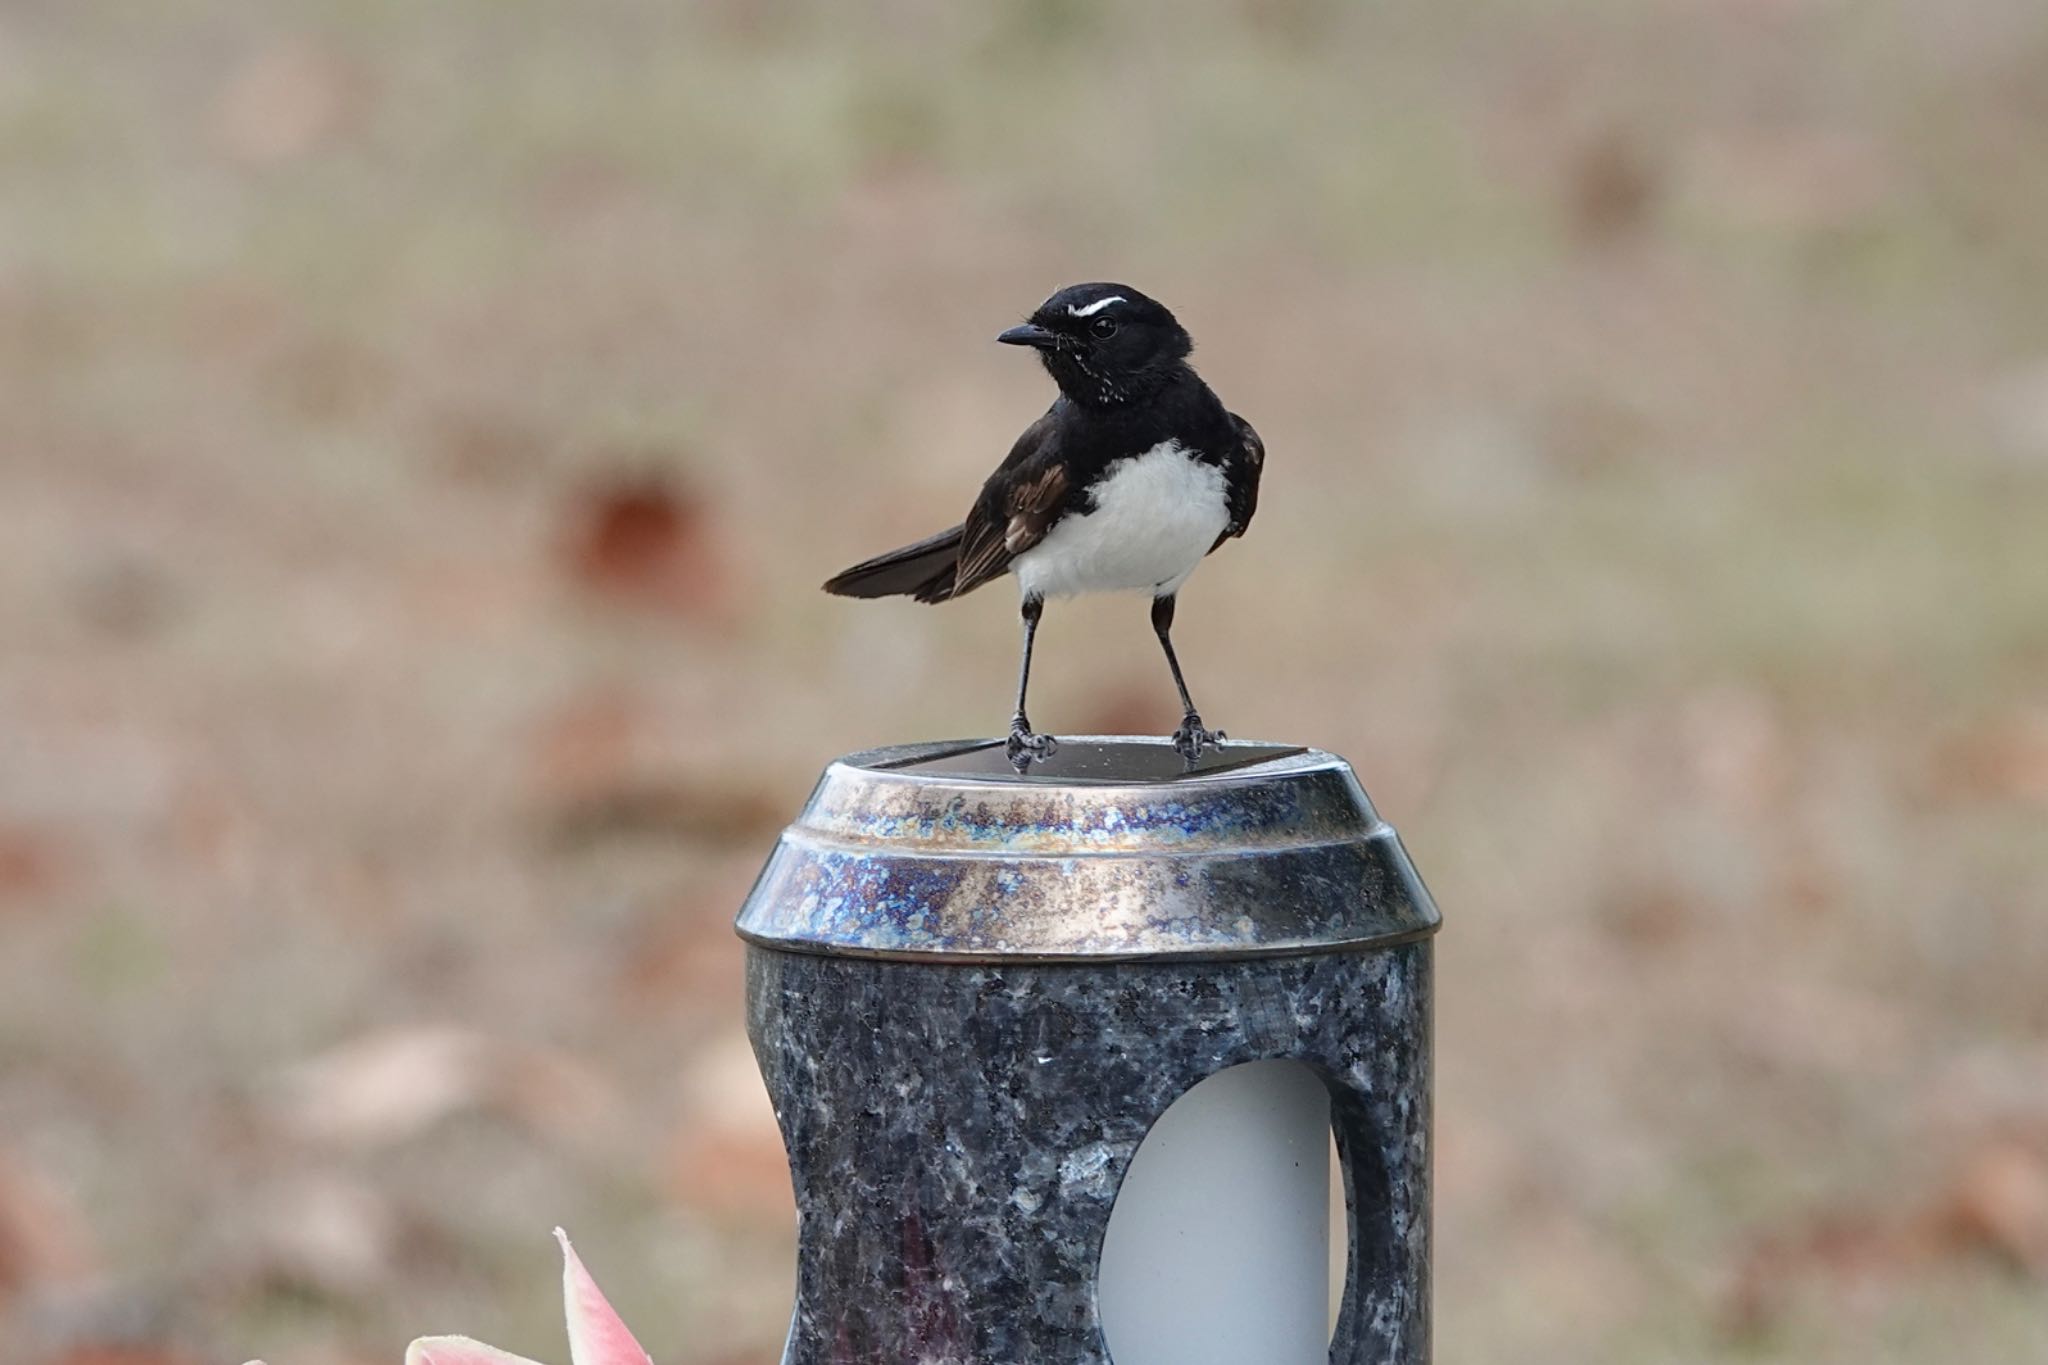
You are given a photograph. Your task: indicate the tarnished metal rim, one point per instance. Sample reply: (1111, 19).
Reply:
(803, 836)
(1373, 944)
(914, 853)
(895, 758)
(1190, 904)
(1291, 797)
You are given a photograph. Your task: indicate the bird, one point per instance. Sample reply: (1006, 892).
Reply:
(1134, 475)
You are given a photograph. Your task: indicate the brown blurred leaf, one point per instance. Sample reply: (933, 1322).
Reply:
(1856, 1253)
(647, 541)
(1998, 1202)
(728, 1157)
(396, 1085)
(554, 1093)
(387, 1087)
(729, 1176)
(31, 865)
(685, 957)
(2004, 758)
(43, 1239)
(1611, 188)
(1648, 915)
(598, 780)
(285, 100)
(1803, 1021)
(706, 812)
(587, 745)
(331, 1233)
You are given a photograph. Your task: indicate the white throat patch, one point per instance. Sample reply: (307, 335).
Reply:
(1092, 309)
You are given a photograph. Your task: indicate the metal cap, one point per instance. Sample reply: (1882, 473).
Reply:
(1115, 848)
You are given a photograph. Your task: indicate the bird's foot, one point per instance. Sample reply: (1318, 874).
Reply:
(1026, 747)
(1191, 739)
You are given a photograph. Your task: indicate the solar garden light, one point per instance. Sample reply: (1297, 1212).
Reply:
(1057, 1058)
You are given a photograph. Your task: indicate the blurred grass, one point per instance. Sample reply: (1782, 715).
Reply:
(1658, 400)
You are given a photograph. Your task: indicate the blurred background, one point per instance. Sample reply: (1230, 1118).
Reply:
(423, 429)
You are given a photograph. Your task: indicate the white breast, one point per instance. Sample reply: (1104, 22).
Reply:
(1154, 516)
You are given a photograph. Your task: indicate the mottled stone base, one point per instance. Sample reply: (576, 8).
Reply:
(958, 1132)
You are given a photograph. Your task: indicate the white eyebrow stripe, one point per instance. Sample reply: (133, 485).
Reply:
(1092, 309)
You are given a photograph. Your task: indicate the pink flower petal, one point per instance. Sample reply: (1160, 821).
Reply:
(596, 1336)
(458, 1351)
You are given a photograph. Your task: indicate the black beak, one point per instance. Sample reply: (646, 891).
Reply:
(1029, 334)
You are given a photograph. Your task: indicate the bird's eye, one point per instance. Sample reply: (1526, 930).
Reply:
(1103, 328)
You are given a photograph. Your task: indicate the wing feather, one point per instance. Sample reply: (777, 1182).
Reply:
(1244, 487)
(1017, 505)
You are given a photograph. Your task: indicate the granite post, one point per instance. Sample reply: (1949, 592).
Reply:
(972, 992)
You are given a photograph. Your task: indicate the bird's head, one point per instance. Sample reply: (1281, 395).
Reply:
(1104, 344)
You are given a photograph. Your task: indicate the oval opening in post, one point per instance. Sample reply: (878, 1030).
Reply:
(1218, 1248)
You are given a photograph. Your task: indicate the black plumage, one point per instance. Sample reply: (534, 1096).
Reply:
(1134, 474)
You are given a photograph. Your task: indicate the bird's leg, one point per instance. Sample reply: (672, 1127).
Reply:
(1191, 738)
(1024, 746)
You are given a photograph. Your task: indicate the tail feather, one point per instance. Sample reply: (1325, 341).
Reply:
(924, 570)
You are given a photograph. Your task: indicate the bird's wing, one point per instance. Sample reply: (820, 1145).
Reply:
(926, 566)
(1244, 489)
(1017, 505)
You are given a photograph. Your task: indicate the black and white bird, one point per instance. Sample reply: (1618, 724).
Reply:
(1134, 474)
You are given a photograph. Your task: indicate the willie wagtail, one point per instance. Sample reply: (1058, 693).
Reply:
(1133, 474)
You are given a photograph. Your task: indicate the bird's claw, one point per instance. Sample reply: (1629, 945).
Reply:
(1026, 747)
(1191, 739)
